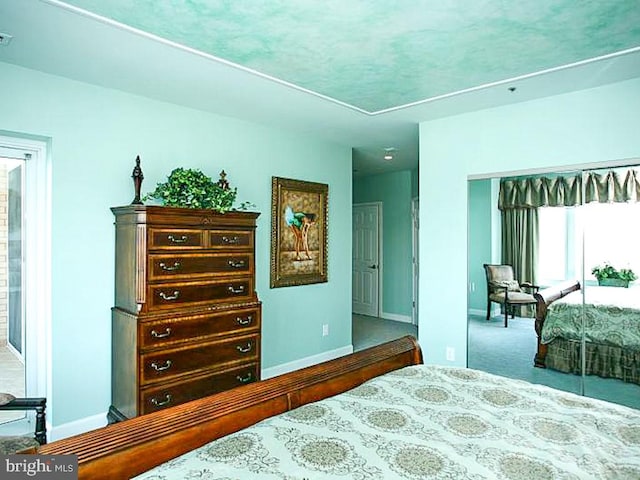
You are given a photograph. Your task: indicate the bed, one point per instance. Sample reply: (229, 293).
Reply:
(375, 414)
(611, 330)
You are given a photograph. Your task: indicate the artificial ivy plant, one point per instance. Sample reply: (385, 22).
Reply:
(190, 188)
(608, 271)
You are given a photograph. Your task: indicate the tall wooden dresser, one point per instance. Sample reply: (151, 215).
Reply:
(186, 321)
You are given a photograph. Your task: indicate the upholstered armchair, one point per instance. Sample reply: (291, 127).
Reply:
(14, 444)
(504, 289)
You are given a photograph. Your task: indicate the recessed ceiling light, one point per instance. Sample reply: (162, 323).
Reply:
(5, 39)
(389, 153)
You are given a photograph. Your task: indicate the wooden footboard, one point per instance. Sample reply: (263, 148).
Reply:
(128, 448)
(544, 298)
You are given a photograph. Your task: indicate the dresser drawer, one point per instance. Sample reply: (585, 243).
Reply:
(170, 363)
(167, 266)
(165, 396)
(173, 239)
(161, 333)
(231, 239)
(178, 295)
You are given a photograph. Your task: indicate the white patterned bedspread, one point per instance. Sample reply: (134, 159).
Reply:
(428, 422)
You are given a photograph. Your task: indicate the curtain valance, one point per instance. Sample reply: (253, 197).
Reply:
(534, 192)
(612, 186)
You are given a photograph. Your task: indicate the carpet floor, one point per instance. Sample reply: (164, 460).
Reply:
(369, 331)
(510, 351)
(503, 351)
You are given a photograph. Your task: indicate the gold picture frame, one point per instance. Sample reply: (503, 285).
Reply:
(298, 232)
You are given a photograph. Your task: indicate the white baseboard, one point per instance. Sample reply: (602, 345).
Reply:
(77, 426)
(495, 311)
(97, 421)
(397, 317)
(305, 362)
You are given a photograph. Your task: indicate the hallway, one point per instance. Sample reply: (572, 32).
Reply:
(369, 331)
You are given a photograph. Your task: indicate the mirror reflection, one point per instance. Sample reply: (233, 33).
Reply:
(553, 291)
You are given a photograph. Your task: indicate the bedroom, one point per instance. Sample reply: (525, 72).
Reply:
(91, 173)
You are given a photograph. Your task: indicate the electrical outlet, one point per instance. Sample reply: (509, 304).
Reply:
(451, 354)
(325, 330)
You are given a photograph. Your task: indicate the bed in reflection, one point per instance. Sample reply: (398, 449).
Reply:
(375, 414)
(611, 330)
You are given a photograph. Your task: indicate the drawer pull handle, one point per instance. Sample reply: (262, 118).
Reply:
(231, 240)
(246, 349)
(166, 333)
(159, 368)
(166, 268)
(236, 263)
(181, 239)
(173, 296)
(244, 321)
(160, 403)
(246, 379)
(236, 291)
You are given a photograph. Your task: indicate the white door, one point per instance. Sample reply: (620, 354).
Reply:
(366, 259)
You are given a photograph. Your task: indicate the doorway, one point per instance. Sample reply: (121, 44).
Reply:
(366, 265)
(25, 299)
(415, 262)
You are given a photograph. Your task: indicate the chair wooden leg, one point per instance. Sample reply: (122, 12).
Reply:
(488, 309)
(506, 315)
(41, 426)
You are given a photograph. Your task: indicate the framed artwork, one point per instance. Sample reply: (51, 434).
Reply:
(298, 232)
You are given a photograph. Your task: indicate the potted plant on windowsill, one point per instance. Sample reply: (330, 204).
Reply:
(609, 276)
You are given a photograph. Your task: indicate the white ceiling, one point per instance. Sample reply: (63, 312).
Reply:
(61, 39)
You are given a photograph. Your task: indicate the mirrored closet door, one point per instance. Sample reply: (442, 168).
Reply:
(552, 230)
(611, 225)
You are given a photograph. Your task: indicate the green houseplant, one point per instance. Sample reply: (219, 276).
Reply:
(608, 275)
(193, 189)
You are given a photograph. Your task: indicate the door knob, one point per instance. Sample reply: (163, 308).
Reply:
(373, 266)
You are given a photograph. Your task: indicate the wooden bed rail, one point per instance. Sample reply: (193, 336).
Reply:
(544, 298)
(128, 448)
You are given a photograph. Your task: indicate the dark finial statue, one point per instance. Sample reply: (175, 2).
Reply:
(223, 183)
(137, 181)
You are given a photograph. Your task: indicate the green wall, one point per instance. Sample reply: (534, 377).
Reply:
(594, 125)
(394, 191)
(95, 135)
(480, 207)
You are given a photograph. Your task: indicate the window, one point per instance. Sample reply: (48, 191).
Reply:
(552, 252)
(610, 232)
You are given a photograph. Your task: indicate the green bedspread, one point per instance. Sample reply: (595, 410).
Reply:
(611, 317)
